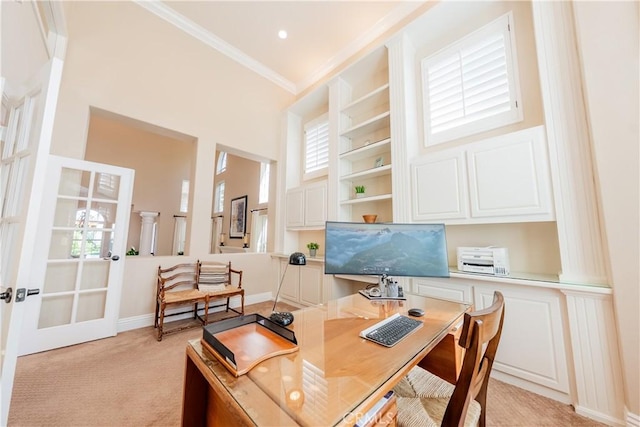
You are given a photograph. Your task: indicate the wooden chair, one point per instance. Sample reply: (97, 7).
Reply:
(177, 286)
(219, 281)
(424, 399)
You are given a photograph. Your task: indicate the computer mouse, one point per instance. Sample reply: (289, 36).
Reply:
(416, 312)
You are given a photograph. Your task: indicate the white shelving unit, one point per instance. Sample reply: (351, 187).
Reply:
(364, 140)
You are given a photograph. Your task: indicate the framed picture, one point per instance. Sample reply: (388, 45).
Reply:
(238, 217)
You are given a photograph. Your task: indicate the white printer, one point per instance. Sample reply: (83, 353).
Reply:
(487, 260)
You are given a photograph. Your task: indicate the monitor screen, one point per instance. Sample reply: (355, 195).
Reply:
(416, 250)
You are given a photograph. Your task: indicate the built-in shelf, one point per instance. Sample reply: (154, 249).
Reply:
(370, 150)
(366, 199)
(378, 122)
(377, 97)
(368, 173)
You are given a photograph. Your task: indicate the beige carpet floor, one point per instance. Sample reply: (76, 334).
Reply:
(134, 380)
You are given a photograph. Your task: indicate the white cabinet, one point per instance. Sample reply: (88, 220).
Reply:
(502, 179)
(307, 206)
(302, 284)
(533, 347)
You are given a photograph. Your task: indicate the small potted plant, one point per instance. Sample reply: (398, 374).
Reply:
(313, 247)
(359, 190)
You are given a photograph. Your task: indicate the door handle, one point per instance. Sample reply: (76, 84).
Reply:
(6, 295)
(22, 293)
(115, 258)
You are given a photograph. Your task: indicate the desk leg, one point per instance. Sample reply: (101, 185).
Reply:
(195, 396)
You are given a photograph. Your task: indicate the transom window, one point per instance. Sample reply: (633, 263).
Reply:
(471, 86)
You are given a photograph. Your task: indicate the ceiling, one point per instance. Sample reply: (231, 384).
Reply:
(321, 34)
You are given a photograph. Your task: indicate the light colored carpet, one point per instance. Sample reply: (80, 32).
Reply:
(134, 380)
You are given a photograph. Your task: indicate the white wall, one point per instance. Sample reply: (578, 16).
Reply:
(139, 287)
(124, 60)
(608, 37)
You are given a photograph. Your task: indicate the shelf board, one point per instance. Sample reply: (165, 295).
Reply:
(366, 199)
(375, 123)
(378, 147)
(378, 96)
(368, 173)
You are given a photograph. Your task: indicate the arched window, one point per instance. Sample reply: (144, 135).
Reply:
(222, 162)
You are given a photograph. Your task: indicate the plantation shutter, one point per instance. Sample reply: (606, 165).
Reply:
(470, 86)
(316, 135)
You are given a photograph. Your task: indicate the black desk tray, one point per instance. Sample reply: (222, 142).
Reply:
(253, 336)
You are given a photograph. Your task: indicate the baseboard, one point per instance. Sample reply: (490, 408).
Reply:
(599, 416)
(532, 387)
(146, 320)
(633, 420)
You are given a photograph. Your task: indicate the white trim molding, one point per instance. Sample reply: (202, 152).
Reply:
(596, 360)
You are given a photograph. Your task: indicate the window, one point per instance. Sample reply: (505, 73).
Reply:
(218, 198)
(471, 86)
(222, 162)
(90, 225)
(261, 241)
(184, 196)
(316, 147)
(263, 196)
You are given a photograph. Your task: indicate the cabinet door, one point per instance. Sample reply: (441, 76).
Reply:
(439, 187)
(290, 281)
(295, 207)
(311, 284)
(315, 204)
(509, 176)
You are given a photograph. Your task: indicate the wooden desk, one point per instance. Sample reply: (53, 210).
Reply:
(333, 379)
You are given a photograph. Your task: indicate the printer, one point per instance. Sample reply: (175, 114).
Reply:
(487, 260)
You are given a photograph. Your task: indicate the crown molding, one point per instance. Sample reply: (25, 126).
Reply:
(163, 11)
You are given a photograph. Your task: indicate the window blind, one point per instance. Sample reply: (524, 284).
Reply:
(316, 146)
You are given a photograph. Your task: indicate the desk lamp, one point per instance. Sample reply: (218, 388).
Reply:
(285, 318)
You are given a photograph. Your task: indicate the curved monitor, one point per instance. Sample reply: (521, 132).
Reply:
(416, 250)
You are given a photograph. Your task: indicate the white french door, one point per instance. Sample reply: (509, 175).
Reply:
(78, 264)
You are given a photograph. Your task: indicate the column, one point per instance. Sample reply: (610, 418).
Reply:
(581, 244)
(147, 232)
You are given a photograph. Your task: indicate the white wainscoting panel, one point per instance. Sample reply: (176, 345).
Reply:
(532, 335)
(595, 357)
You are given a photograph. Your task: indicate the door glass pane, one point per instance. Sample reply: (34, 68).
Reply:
(66, 212)
(104, 213)
(95, 274)
(60, 277)
(55, 311)
(106, 186)
(74, 182)
(63, 245)
(91, 306)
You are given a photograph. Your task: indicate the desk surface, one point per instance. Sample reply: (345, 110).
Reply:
(336, 375)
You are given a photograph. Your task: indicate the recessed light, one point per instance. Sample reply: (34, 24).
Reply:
(282, 34)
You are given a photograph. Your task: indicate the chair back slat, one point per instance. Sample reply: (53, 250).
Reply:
(480, 336)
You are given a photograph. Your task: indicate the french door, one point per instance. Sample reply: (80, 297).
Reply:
(78, 264)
